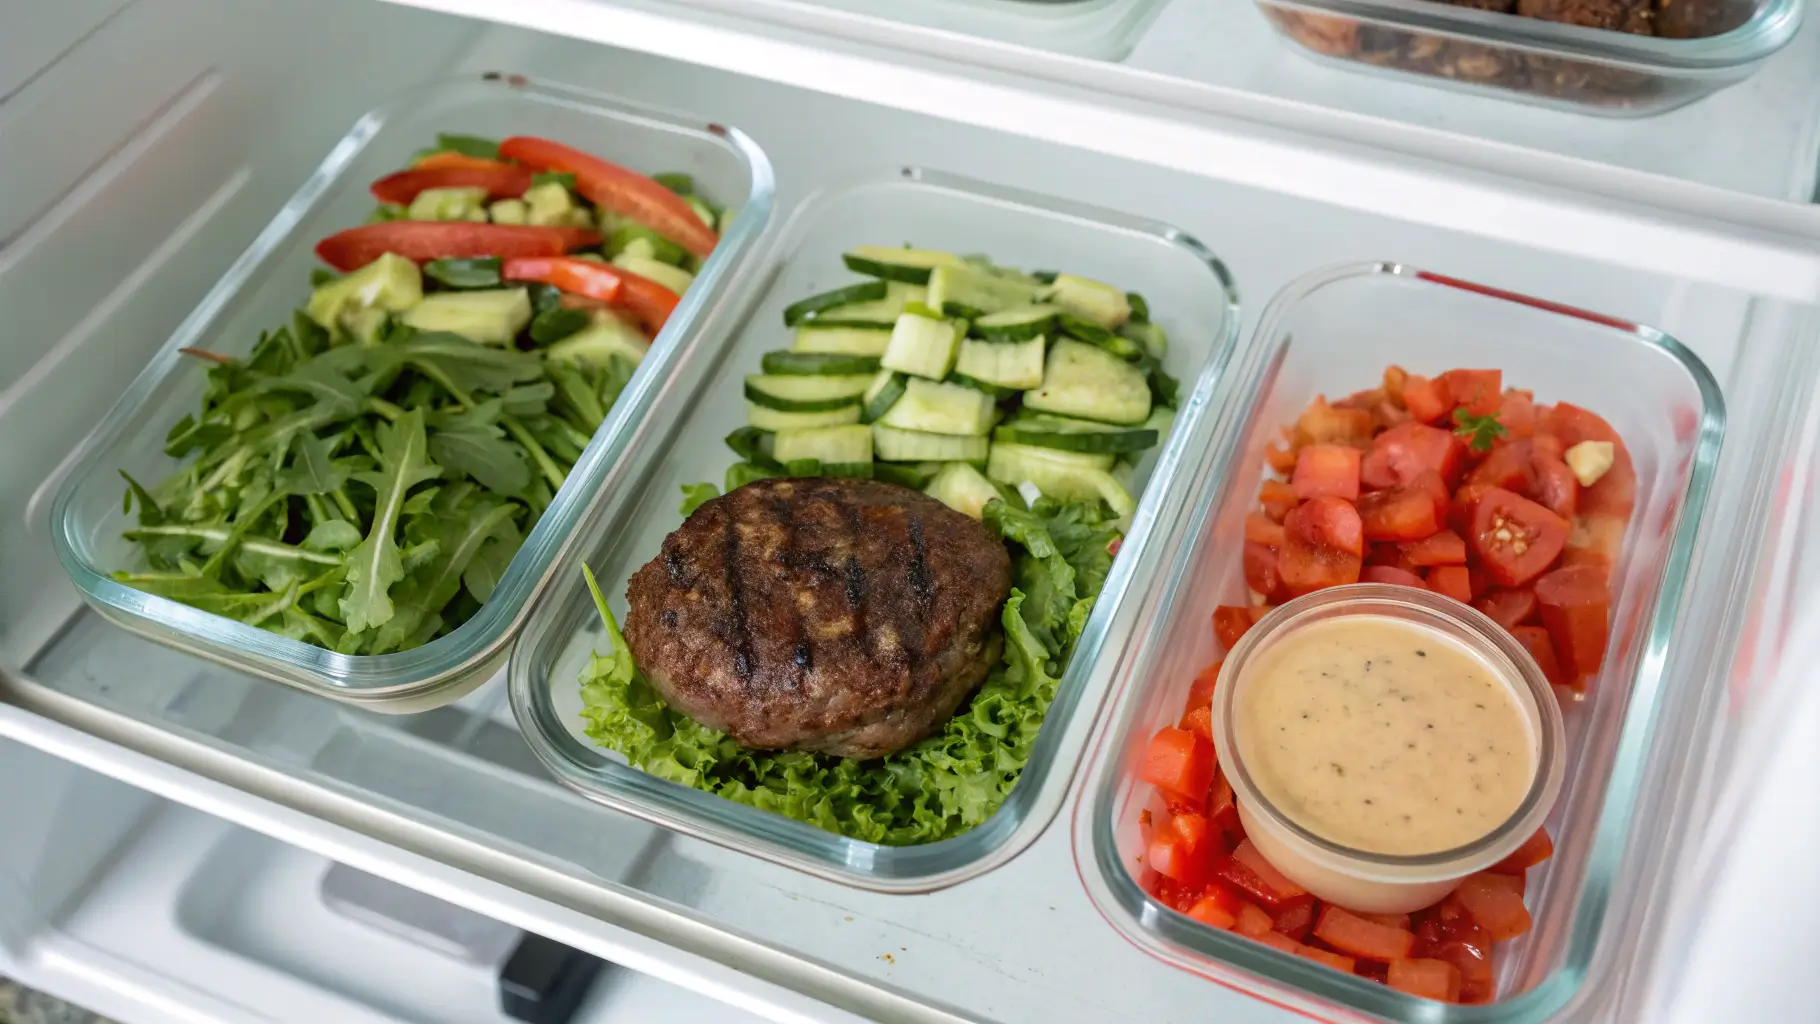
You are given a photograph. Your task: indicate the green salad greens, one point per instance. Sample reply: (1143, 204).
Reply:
(941, 786)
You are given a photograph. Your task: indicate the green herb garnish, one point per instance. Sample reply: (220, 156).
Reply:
(1477, 431)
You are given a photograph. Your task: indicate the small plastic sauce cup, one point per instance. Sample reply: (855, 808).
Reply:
(1378, 882)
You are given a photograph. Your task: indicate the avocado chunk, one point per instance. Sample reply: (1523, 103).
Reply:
(449, 204)
(1095, 300)
(962, 488)
(365, 325)
(491, 316)
(390, 283)
(599, 343)
(674, 278)
(509, 211)
(550, 205)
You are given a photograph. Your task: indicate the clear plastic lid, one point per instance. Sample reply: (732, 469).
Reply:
(271, 279)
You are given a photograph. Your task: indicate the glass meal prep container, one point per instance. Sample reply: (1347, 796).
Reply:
(1697, 47)
(272, 278)
(1330, 333)
(681, 442)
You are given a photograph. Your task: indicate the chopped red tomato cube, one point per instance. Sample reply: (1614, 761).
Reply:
(1556, 488)
(1465, 505)
(1208, 910)
(1509, 607)
(1615, 493)
(1391, 574)
(1535, 850)
(1576, 607)
(1324, 546)
(1400, 454)
(1199, 721)
(1431, 979)
(1261, 529)
(1279, 889)
(1595, 540)
(1230, 622)
(1508, 466)
(1388, 920)
(1276, 498)
(1321, 423)
(1398, 514)
(1535, 640)
(1326, 471)
(1294, 918)
(1180, 763)
(1280, 458)
(1251, 921)
(1518, 414)
(1480, 392)
(1174, 857)
(1221, 808)
(1350, 933)
(1497, 907)
(1261, 573)
(1451, 581)
(1394, 378)
(1322, 956)
(1444, 548)
(1282, 942)
(1515, 538)
(1200, 693)
(1427, 400)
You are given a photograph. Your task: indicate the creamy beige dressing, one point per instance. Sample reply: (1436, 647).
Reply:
(1384, 736)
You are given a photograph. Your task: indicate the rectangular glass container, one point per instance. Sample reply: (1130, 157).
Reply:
(271, 279)
(1332, 332)
(1546, 63)
(1190, 296)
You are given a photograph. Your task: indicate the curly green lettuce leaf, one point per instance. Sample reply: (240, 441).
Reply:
(936, 789)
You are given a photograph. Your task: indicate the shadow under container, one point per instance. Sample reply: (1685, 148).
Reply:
(1545, 63)
(1190, 296)
(271, 279)
(1333, 332)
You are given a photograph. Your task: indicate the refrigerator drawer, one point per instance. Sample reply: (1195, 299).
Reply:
(446, 796)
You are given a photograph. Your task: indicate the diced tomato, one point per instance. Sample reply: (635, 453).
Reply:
(1324, 546)
(1200, 694)
(1496, 906)
(1280, 458)
(1365, 399)
(1509, 607)
(1451, 581)
(1518, 884)
(1372, 969)
(1321, 423)
(1535, 850)
(1444, 548)
(1518, 414)
(644, 298)
(1480, 582)
(1508, 466)
(1400, 513)
(1481, 392)
(1430, 483)
(1282, 942)
(1535, 640)
(1280, 888)
(1230, 622)
(1400, 454)
(1385, 415)
(1326, 471)
(1179, 763)
(1556, 489)
(423, 240)
(1277, 499)
(1294, 918)
(502, 181)
(1260, 570)
(612, 187)
(1261, 529)
(1208, 910)
(1465, 505)
(1198, 721)
(1615, 493)
(1431, 979)
(1427, 400)
(1350, 933)
(1595, 540)
(1391, 574)
(1251, 921)
(1221, 808)
(1515, 538)
(1394, 378)
(1322, 956)
(1546, 447)
(1174, 857)
(1576, 607)
(1388, 920)
(1173, 894)
(1386, 553)
(1468, 948)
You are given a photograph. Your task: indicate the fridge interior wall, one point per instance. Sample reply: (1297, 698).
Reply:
(220, 113)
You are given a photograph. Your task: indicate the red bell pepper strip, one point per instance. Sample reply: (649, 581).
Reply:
(612, 187)
(502, 181)
(425, 240)
(645, 299)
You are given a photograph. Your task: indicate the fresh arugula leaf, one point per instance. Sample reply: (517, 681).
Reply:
(472, 442)
(313, 469)
(556, 323)
(376, 564)
(578, 396)
(467, 145)
(489, 565)
(469, 366)
(332, 535)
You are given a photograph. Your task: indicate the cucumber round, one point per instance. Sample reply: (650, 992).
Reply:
(911, 266)
(774, 420)
(803, 309)
(816, 364)
(884, 392)
(805, 394)
(894, 445)
(812, 336)
(1071, 435)
(1019, 324)
(997, 391)
(1076, 326)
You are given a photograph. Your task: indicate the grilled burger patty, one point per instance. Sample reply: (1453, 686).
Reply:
(843, 616)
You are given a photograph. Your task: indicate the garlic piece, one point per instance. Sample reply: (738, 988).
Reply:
(1590, 460)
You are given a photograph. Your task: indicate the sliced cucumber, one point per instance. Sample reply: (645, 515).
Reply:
(604, 339)
(852, 341)
(963, 489)
(779, 420)
(1070, 435)
(1006, 364)
(940, 409)
(1095, 300)
(994, 391)
(831, 446)
(1149, 335)
(884, 391)
(1162, 420)
(911, 266)
(894, 445)
(868, 291)
(676, 279)
(1076, 326)
(863, 470)
(805, 394)
(817, 364)
(1060, 475)
(967, 292)
(876, 313)
(922, 346)
(1091, 383)
(1020, 324)
(914, 475)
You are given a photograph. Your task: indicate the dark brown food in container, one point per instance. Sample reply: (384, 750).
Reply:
(841, 616)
